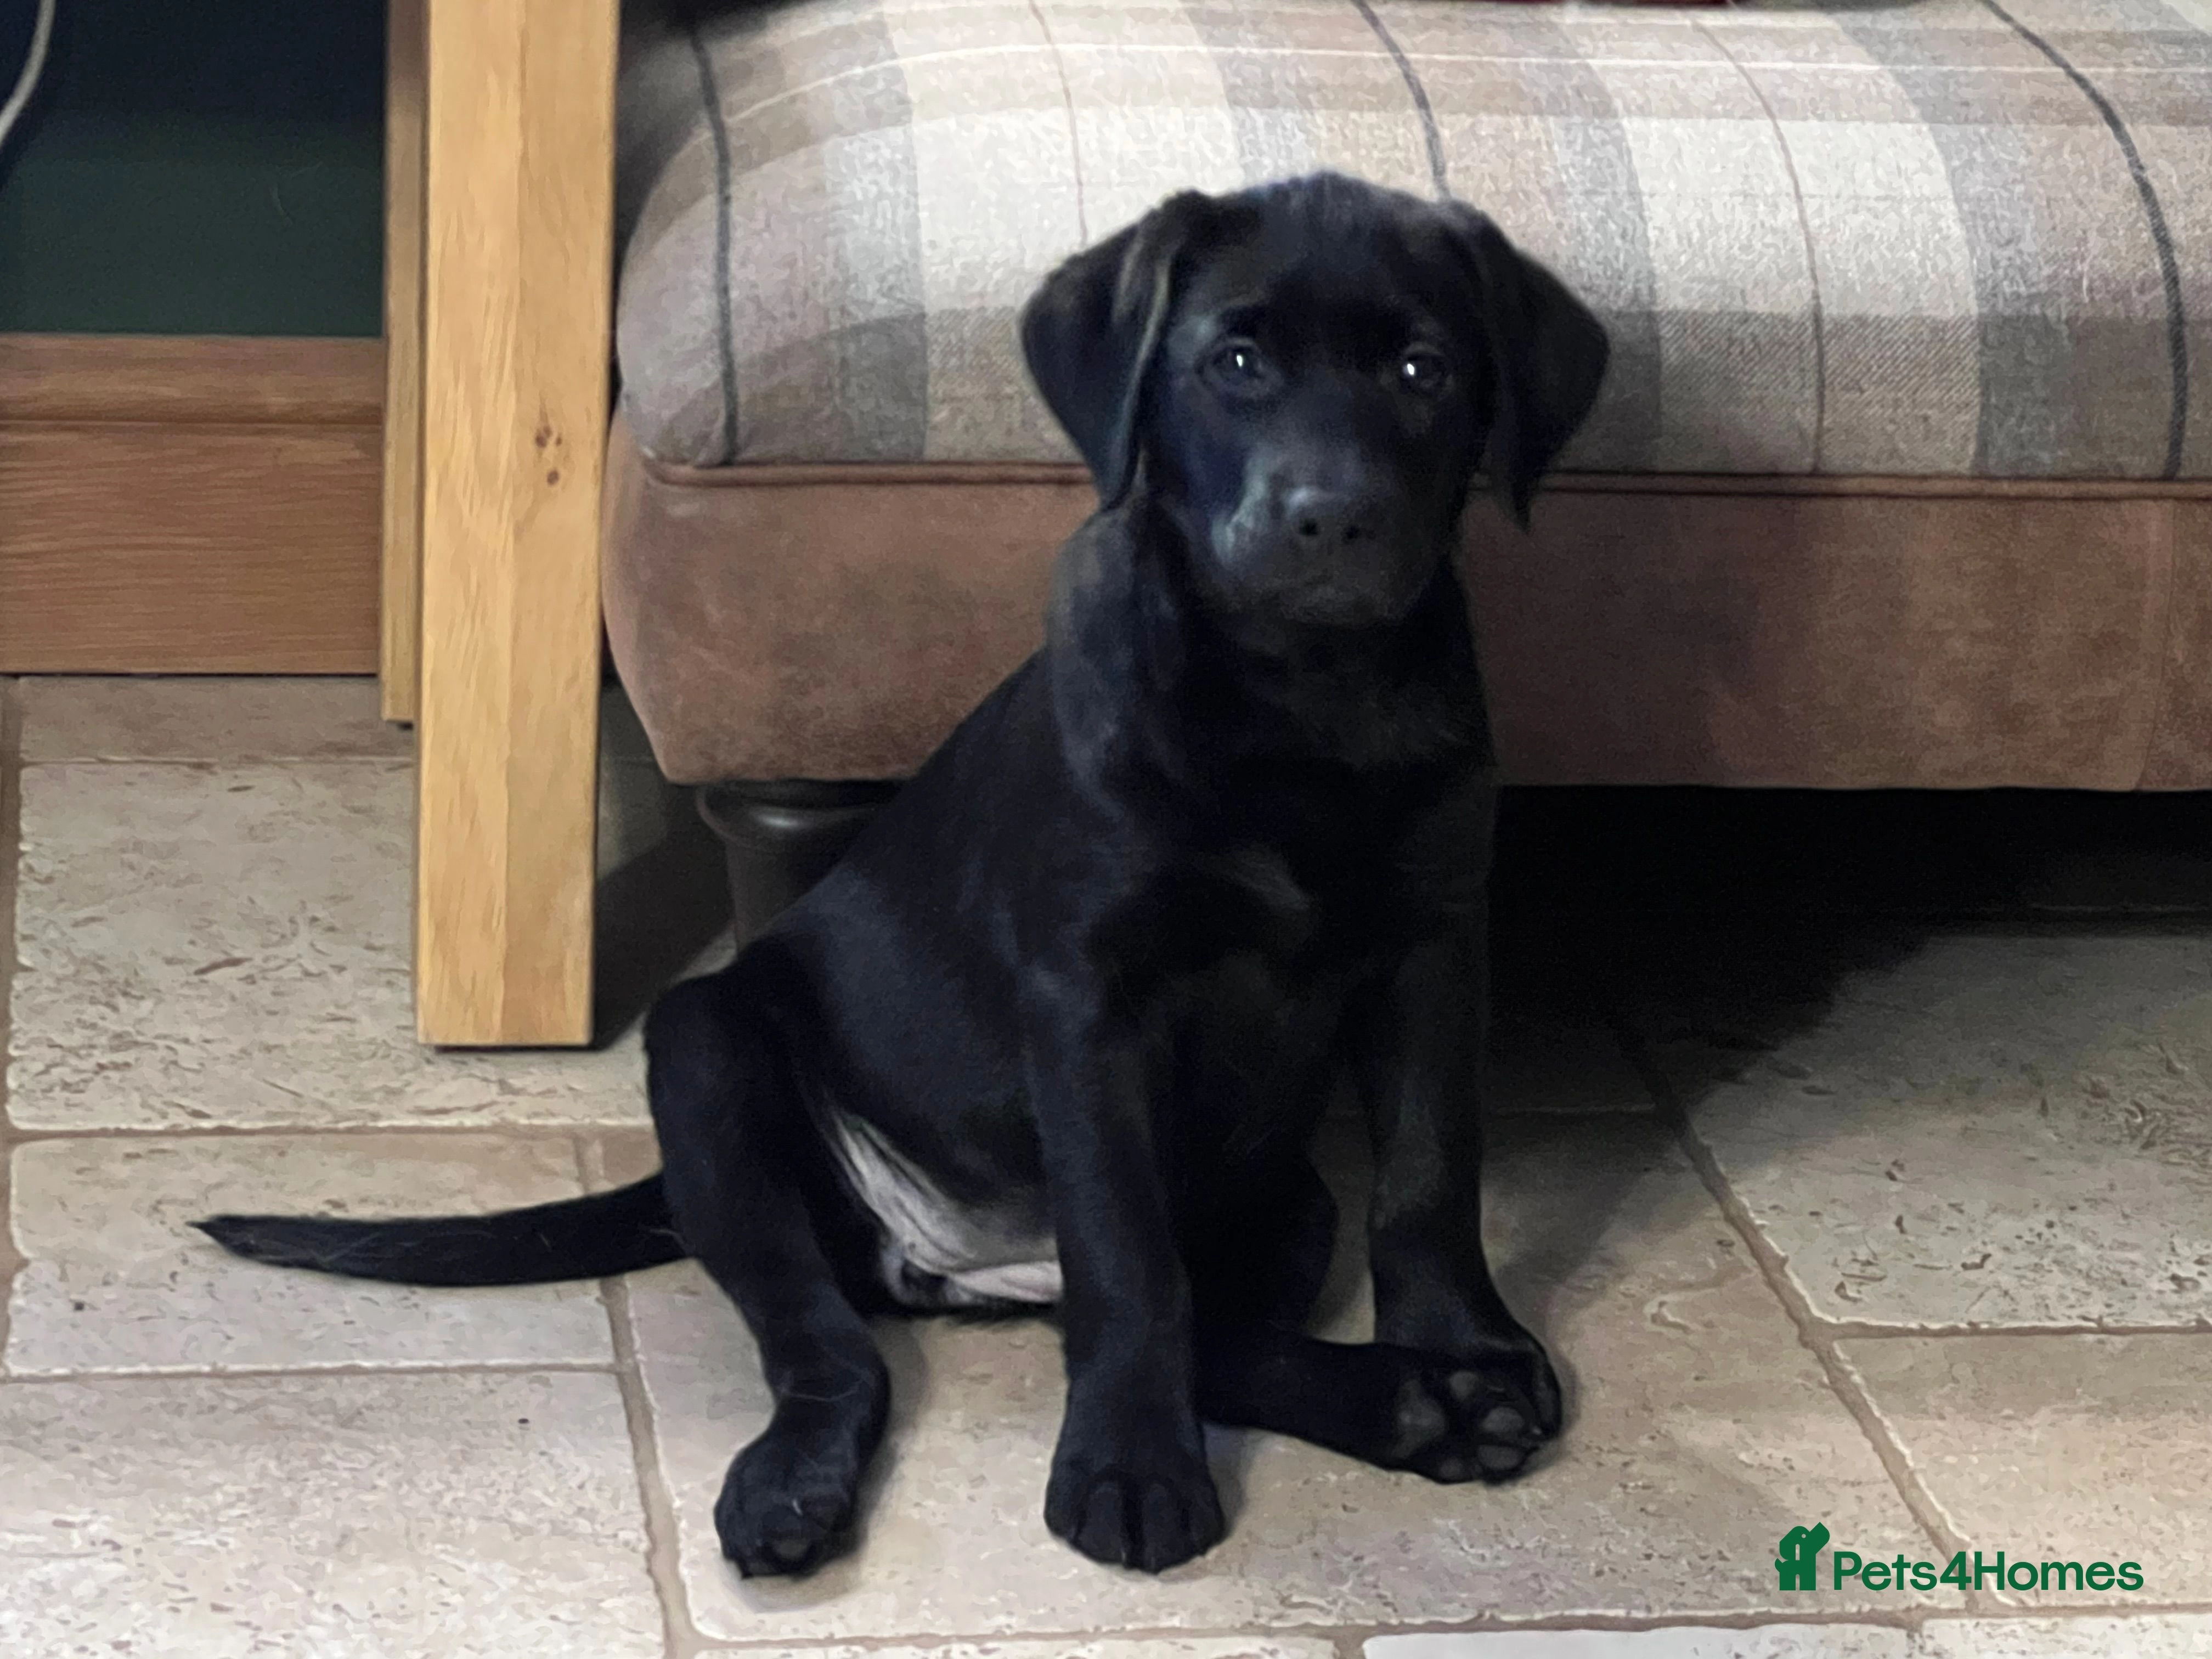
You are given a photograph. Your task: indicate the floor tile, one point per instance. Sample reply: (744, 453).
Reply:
(230, 945)
(1975, 1129)
(2062, 1448)
(471, 1516)
(204, 718)
(1701, 1431)
(2146, 1636)
(1688, 1642)
(2151, 1636)
(624, 1155)
(116, 1279)
(1151, 1647)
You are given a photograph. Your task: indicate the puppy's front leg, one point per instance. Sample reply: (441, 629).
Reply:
(1129, 1482)
(1420, 1052)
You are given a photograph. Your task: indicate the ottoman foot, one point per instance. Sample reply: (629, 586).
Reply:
(781, 838)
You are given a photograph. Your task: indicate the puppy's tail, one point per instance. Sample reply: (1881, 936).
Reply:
(591, 1237)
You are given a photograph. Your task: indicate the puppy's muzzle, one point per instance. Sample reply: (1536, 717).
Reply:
(1326, 525)
(1326, 556)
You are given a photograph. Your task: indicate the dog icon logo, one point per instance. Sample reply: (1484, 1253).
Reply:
(1799, 1561)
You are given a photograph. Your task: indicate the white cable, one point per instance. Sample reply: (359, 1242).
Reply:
(34, 61)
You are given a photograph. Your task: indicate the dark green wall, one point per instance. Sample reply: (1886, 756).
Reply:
(196, 167)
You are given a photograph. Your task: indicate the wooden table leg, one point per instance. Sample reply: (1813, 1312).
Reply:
(401, 614)
(517, 322)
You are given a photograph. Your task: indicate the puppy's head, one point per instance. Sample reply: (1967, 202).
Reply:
(1306, 376)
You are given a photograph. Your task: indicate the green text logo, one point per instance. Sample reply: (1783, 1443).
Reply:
(1797, 1567)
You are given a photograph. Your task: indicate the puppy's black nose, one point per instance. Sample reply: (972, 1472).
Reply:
(1332, 521)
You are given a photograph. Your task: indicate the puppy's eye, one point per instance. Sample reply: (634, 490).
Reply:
(1423, 371)
(1238, 360)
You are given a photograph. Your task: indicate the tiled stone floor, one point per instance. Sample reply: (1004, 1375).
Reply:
(1834, 1211)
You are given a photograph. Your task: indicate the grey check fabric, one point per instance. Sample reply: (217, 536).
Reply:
(1955, 237)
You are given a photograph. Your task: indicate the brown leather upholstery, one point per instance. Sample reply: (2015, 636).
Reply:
(836, 621)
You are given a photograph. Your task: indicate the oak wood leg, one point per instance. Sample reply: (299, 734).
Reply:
(401, 615)
(517, 320)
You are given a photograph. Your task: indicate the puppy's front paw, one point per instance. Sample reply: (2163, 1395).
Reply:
(1524, 1364)
(787, 1504)
(1453, 1420)
(1150, 1507)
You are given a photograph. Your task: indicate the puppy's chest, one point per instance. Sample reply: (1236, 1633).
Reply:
(1255, 899)
(1259, 951)
(1305, 913)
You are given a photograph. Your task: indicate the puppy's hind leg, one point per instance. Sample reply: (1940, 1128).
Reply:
(754, 1200)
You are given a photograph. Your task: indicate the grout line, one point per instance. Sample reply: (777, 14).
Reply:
(1349, 1642)
(1910, 1619)
(1839, 1330)
(664, 1559)
(350, 1367)
(544, 1131)
(1815, 1338)
(215, 762)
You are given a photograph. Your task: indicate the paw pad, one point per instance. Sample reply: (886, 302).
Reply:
(1462, 1423)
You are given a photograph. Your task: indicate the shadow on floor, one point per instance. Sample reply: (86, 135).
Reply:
(660, 911)
(1719, 925)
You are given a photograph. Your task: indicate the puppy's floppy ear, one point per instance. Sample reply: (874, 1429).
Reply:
(1549, 354)
(1090, 332)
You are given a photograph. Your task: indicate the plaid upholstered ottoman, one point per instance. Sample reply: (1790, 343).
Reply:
(1900, 477)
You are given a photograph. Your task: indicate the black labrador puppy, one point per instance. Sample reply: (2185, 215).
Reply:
(1059, 1026)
